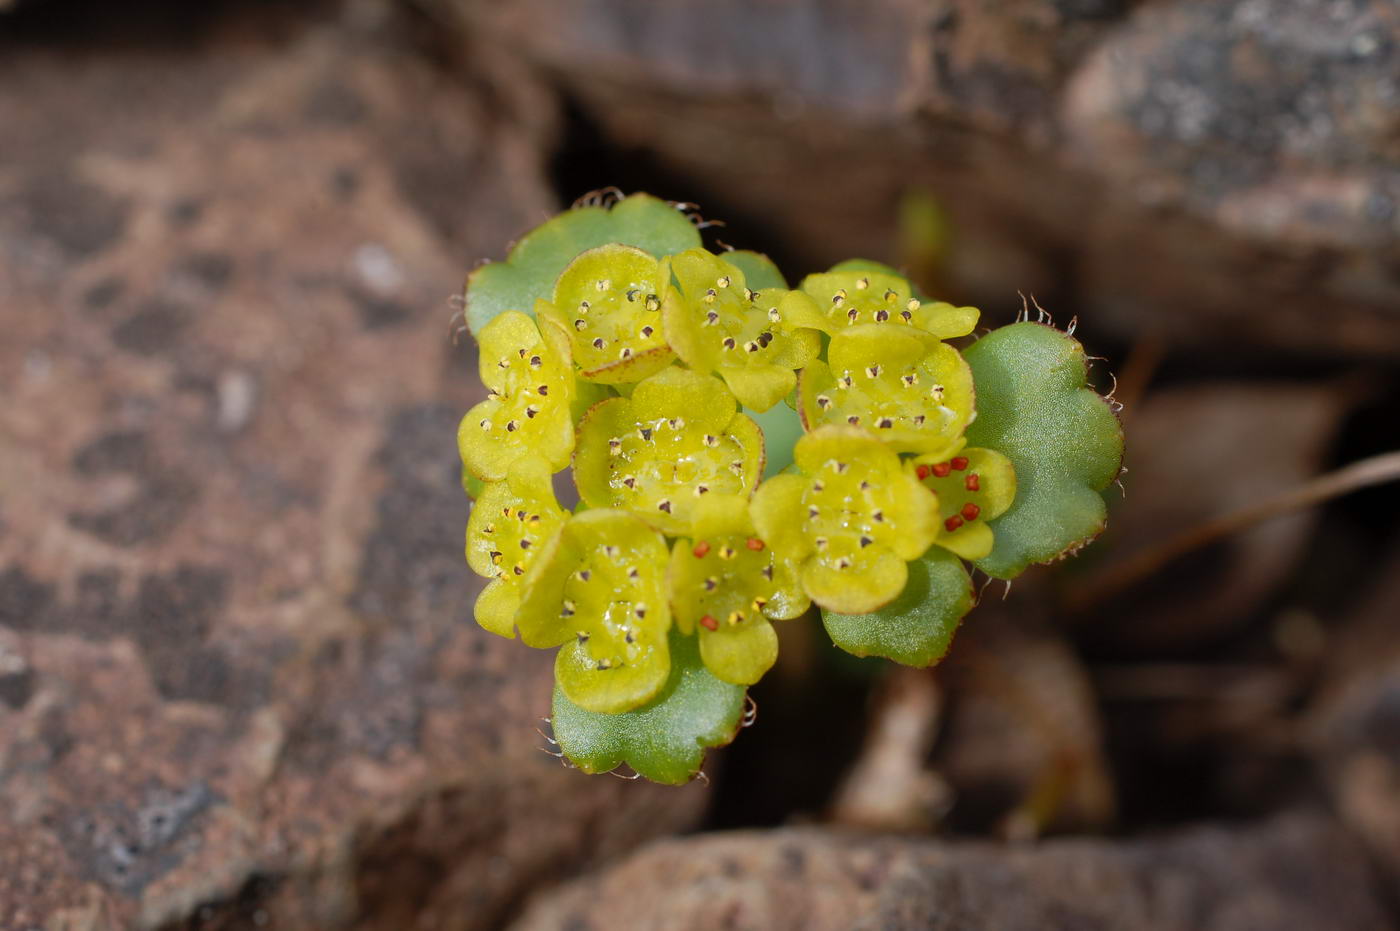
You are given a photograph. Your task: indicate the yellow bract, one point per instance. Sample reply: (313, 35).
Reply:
(608, 301)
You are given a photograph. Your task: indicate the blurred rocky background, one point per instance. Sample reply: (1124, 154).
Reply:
(239, 683)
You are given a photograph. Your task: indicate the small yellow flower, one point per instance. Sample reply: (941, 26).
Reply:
(678, 438)
(531, 384)
(608, 302)
(727, 583)
(716, 324)
(905, 386)
(851, 298)
(973, 486)
(851, 518)
(598, 590)
(509, 525)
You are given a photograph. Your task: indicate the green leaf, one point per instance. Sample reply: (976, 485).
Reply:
(472, 485)
(664, 740)
(915, 628)
(586, 394)
(1033, 405)
(782, 428)
(759, 270)
(532, 267)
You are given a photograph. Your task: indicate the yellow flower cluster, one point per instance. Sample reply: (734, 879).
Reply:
(644, 374)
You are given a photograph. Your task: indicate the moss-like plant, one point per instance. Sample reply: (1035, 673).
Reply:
(742, 452)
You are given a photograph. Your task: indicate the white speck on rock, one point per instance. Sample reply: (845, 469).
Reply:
(1365, 45)
(237, 396)
(11, 663)
(37, 365)
(377, 268)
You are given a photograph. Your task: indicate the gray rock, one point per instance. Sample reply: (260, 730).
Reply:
(1298, 871)
(1196, 170)
(239, 680)
(1353, 726)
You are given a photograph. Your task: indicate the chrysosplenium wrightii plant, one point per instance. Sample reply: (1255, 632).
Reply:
(743, 451)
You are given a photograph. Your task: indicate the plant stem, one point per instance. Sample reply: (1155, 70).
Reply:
(1364, 473)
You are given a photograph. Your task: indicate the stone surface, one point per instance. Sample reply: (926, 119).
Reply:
(1294, 872)
(1194, 170)
(1353, 727)
(239, 681)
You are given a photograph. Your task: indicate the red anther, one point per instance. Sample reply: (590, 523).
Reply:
(953, 523)
(970, 511)
(709, 623)
(701, 549)
(923, 471)
(942, 469)
(754, 543)
(959, 462)
(972, 482)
